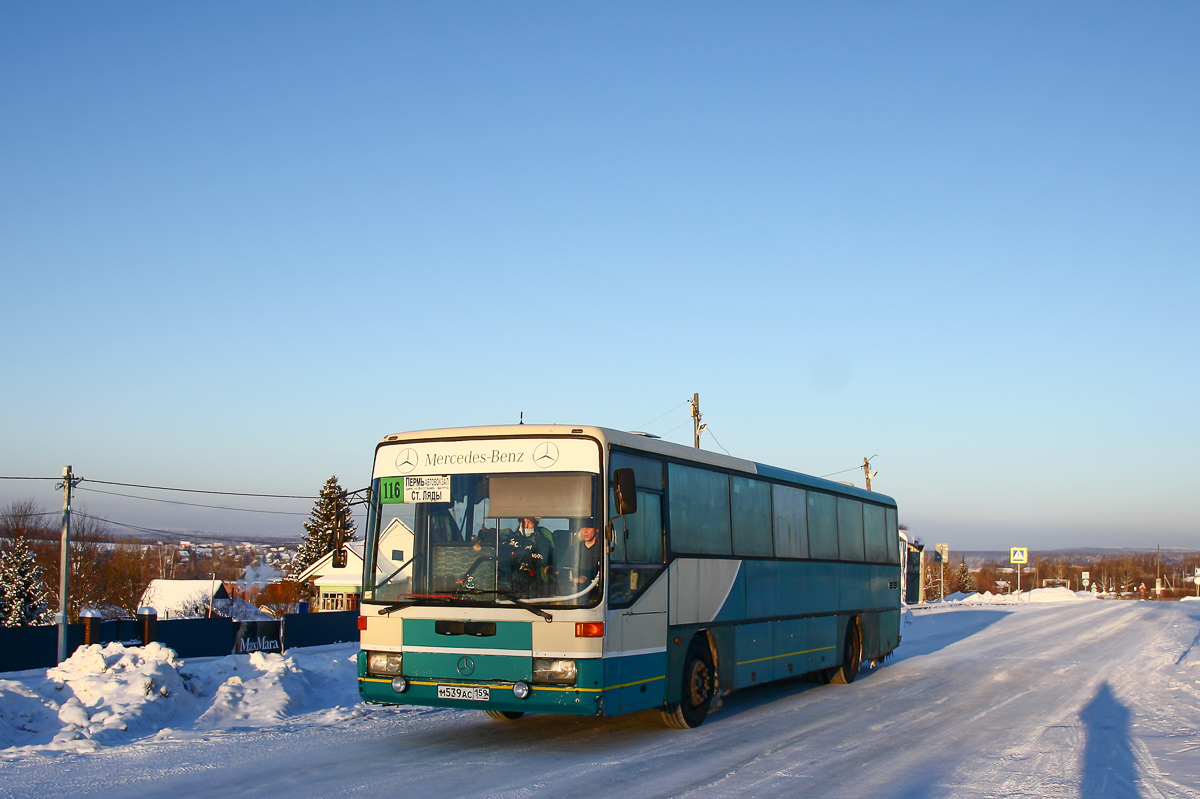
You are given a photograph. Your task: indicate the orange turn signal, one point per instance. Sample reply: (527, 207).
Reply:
(362, 622)
(589, 629)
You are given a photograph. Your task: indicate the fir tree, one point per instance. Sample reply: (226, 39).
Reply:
(23, 592)
(319, 536)
(966, 580)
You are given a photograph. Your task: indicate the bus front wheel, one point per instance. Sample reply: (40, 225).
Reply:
(505, 715)
(851, 656)
(696, 692)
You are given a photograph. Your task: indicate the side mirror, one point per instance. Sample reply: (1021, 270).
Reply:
(625, 491)
(339, 559)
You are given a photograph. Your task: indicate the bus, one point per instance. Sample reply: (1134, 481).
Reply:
(584, 570)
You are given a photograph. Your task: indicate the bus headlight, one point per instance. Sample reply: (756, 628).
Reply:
(521, 690)
(554, 671)
(384, 663)
(399, 684)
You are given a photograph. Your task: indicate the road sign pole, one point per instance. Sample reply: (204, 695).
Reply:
(1018, 556)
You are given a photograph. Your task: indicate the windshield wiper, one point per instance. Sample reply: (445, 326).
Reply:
(401, 605)
(508, 594)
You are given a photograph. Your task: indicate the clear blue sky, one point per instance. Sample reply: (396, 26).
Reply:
(241, 243)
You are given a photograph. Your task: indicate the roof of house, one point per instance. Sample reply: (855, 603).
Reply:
(170, 596)
(322, 571)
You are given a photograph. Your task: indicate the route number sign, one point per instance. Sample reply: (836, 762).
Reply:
(1018, 555)
(943, 552)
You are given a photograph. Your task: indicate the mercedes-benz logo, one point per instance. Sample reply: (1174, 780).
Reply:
(406, 461)
(545, 455)
(466, 666)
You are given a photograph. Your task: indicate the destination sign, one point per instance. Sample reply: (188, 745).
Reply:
(427, 488)
(414, 489)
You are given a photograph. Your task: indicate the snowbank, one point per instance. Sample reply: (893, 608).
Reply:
(113, 693)
(1036, 595)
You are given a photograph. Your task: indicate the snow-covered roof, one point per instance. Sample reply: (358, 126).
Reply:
(259, 574)
(170, 596)
(323, 566)
(322, 571)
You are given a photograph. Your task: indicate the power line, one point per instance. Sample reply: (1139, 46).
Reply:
(191, 504)
(644, 425)
(714, 438)
(843, 471)
(177, 533)
(168, 488)
(202, 491)
(676, 427)
(123, 524)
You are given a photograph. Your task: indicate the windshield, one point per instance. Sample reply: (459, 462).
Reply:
(489, 539)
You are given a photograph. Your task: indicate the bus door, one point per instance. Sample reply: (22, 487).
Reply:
(636, 643)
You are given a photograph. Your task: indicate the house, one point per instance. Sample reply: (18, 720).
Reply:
(340, 589)
(186, 598)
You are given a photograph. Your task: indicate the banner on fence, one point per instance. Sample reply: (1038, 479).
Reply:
(257, 636)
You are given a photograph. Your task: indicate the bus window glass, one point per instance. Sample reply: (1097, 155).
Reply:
(791, 522)
(822, 526)
(699, 504)
(850, 529)
(637, 554)
(751, 517)
(893, 535)
(497, 537)
(875, 534)
(637, 537)
(647, 473)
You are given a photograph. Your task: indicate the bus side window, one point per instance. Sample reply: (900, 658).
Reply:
(637, 554)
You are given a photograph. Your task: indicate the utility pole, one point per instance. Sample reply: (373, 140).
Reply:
(697, 428)
(64, 563)
(1158, 575)
(339, 530)
(867, 471)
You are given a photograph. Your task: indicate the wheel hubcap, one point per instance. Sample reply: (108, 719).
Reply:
(700, 681)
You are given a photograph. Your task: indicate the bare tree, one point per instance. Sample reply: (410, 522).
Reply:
(25, 517)
(91, 542)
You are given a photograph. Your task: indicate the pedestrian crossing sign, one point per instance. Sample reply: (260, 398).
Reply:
(1018, 555)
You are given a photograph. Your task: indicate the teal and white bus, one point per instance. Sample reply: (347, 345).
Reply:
(555, 569)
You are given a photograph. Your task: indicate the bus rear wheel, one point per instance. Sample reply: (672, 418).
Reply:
(696, 692)
(504, 715)
(851, 656)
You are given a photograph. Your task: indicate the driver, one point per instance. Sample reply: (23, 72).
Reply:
(588, 556)
(526, 555)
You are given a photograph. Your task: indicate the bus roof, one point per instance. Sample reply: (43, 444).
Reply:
(642, 442)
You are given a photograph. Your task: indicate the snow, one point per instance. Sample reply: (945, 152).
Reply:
(1036, 595)
(1037, 698)
(259, 575)
(112, 694)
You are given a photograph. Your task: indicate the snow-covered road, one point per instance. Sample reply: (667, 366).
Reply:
(1073, 699)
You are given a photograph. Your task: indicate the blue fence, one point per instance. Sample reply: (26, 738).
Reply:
(37, 647)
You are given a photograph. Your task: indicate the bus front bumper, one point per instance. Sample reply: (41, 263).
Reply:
(541, 699)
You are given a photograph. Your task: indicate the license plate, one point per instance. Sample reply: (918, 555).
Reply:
(477, 694)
